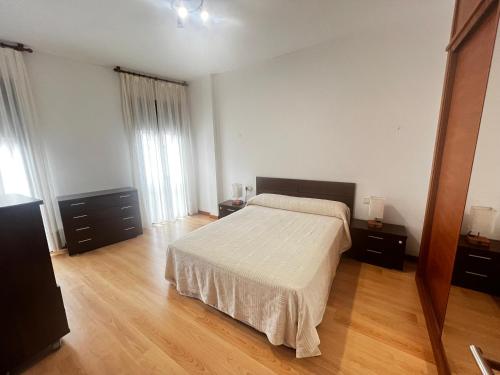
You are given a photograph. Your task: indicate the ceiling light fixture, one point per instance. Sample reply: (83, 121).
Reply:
(182, 12)
(184, 8)
(204, 16)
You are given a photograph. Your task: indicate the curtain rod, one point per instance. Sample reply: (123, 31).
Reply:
(16, 46)
(120, 70)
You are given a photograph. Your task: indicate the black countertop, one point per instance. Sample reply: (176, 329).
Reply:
(11, 200)
(95, 193)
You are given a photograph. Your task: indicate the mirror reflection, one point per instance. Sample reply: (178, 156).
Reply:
(473, 314)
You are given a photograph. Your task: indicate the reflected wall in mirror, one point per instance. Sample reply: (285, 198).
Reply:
(473, 312)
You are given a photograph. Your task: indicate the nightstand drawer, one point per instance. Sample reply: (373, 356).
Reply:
(482, 282)
(381, 257)
(477, 268)
(475, 260)
(378, 257)
(383, 242)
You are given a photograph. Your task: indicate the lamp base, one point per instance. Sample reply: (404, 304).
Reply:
(478, 240)
(375, 224)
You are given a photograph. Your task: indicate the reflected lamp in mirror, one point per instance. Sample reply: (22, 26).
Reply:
(237, 194)
(376, 212)
(480, 225)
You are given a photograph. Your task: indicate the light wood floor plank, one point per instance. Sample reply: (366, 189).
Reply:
(125, 318)
(471, 318)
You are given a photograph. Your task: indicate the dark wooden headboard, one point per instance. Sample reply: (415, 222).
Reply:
(330, 190)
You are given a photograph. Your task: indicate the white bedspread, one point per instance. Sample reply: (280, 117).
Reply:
(271, 268)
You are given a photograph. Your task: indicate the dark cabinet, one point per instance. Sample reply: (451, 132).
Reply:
(380, 246)
(32, 313)
(228, 207)
(100, 218)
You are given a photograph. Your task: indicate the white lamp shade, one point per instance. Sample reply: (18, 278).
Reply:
(237, 191)
(481, 220)
(376, 208)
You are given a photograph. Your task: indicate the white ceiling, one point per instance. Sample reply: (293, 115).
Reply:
(142, 34)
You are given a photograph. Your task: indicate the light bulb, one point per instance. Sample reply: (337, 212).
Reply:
(204, 15)
(182, 12)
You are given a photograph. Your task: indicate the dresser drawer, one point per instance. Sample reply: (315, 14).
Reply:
(83, 244)
(74, 208)
(130, 217)
(102, 234)
(115, 200)
(81, 233)
(85, 205)
(89, 218)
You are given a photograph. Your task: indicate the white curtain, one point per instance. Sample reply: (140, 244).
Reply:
(157, 122)
(23, 165)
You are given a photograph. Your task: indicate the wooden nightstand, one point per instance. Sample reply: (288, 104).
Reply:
(478, 267)
(380, 246)
(227, 208)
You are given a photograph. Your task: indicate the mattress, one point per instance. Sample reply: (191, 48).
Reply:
(269, 265)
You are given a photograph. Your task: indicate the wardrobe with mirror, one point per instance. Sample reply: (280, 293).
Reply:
(458, 272)
(473, 311)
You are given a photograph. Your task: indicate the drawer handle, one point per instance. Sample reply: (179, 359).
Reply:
(476, 274)
(230, 209)
(479, 256)
(77, 204)
(79, 216)
(124, 196)
(376, 237)
(374, 251)
(80, 229)
(128, 218)
(85, 240)
(129, 228)
(126, 207)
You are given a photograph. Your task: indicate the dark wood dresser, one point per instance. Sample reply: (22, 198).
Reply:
(477, 267)
(228, 207)
(100, 218)
(380, 246)
(32, 311)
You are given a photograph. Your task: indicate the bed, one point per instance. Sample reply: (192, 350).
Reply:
(272, 263)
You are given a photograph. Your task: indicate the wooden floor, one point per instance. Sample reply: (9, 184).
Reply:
(126, 319)
(471, 318)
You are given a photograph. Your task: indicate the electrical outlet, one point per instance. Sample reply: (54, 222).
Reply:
(366, 200)
(248, 188)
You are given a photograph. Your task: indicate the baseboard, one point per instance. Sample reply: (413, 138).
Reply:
(63, 250)
(208, 214)
(411, 258)
(433, 329)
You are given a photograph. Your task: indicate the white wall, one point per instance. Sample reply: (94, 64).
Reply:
(361, 109)
(80, 118)
(484, 188)
(202, 125)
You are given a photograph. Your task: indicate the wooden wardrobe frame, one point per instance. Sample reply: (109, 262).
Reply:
(469, 16)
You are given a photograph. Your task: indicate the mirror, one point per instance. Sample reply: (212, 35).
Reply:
(473, 313)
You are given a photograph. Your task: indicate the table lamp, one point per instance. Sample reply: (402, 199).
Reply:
(237, 194)
(376, 212)
(480, 226)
